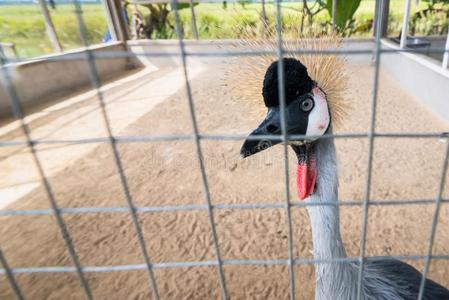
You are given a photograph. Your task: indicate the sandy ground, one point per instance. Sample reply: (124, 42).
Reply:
(166, 173)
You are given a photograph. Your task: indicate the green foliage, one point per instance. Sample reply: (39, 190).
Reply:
(432, 3)
(24, 25)
(344, 12)
(431, 20)
(209, 26)
(180, 6)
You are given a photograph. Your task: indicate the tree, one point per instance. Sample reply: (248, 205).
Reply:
(310, 12)
(157, 23)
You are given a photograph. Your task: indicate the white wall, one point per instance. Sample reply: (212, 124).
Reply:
(420, 76)
(51, 77)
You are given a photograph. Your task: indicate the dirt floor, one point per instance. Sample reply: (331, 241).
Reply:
(166, 173)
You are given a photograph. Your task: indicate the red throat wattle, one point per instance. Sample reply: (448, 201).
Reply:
(306, 176)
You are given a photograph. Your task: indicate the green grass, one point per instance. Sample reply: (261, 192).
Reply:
(24, 25)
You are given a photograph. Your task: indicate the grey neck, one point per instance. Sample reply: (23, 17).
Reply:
(325, 223)
(325, 218)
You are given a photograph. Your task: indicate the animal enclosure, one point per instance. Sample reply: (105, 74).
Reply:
(134, 189)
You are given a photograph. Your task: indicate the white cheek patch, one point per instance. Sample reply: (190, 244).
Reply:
(319, 116)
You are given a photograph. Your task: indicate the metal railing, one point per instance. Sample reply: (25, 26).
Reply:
(404, 32)
(3, 54)
(208, 206)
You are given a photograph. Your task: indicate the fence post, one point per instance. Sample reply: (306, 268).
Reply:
(194, 25)
(334, 14)
(264, 14)
(3, 59)
(14, 50)
(50, 28)
(118, 28)
(405, 24)
(385, 13)
(446, 53)
(109, 20)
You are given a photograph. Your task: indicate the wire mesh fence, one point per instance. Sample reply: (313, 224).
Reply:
(218, 262)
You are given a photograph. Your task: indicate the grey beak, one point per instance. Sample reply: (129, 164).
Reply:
(258, 140)
(296, 121)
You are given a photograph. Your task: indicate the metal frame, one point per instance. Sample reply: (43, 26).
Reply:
(118, 29)
(434, 224)
(280, 55)
(404, 31)
(199, 152)
(226, 53)
(124, 182)
(200, 207)
(89, 56)
(3, 57)
(10, 277)
(334, 14)
(18, 114)
(445, 64)
(49, 27)
(371, 132)
(385, 10)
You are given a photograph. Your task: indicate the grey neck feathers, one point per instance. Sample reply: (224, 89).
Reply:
(325, 223)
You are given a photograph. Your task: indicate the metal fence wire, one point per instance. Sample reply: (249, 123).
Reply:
(90, 57)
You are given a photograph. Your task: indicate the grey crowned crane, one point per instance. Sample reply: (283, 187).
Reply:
(309, 112)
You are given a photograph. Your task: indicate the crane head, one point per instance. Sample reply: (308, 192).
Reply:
(306, 109)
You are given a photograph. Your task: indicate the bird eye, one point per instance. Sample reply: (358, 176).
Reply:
(306, 105)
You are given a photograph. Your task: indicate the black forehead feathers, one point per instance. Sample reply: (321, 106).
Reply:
(296, 79)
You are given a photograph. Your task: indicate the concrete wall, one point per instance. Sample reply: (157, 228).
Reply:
(149, 47)
(420, 76)
(43, 78)
(53, 76)
(438, 42)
